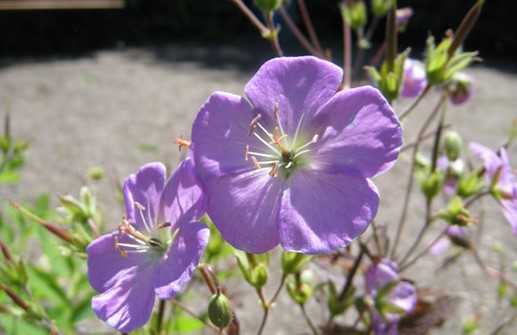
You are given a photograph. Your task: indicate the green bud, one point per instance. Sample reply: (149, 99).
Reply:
(452, 144)
(220, 310)
(430, 183)
(354, 14)
(259, 276)
(293, 261)
(268, 5)
(470, 325)
(300, 293)
(469, 185)
(380, 7)
(502, 290)
(456, 213)
(96, 173)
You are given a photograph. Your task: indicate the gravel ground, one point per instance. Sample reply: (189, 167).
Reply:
(118, 109)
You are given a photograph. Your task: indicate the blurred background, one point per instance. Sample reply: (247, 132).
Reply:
(141, 22)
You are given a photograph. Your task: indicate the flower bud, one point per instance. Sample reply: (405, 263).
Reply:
(268, 5)
(354, 14)
(452, 144)
(259, 276)
(293, 261)
(431, 183)
(220, 310)
(460, 88)
(380, 7)
(403, 16)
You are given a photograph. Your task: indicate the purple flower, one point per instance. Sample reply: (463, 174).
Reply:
(414, 79)
(455, 235)
(461, 88)
(499, 177)
(155, 250)
(402, 16)
(391, 296)
(292, 165)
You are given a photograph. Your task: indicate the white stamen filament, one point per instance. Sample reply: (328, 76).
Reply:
(141, 209)
(128, 245)
(266, 143)
(253, 153)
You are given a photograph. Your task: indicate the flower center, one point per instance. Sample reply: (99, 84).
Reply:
(279, 154)
(155, 240)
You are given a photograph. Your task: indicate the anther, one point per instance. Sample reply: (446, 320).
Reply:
(253, 124)
(255, 162)
(139, 206)
(182, 142)
(276, 111)
(274, 170)
(123, 252)
(315, 139)
(115, 242)
(246, 151)
(163, 225)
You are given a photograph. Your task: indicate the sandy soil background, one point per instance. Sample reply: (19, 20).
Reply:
(118, 109)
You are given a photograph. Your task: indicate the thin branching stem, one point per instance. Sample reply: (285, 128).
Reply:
(409, 187)
(347, 53)
(412, 261)
(491, 271)
(298, 34)
(194, 314)
(308, 320)
(308, 25)
(253, 19)
(415, 102)
(273, 35)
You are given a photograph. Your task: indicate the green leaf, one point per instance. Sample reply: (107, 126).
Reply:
(81, 311)
(13, 325)
(45, 285)
(186, 323)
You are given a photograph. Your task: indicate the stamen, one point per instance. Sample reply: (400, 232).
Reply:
(182, 142)
(277, 107)
(313, 141)
(163, 225)
(277, 118)
(298, 129)
(266, 143)
(255, 162)
(261, 154)
(142, 209)
(115, 242)
(139, 206)
(133, 246)
(246, 151)
(253, 124)
(274, 170)
(123, 252)
(288, 165)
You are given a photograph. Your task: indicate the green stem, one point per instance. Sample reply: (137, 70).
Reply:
(415, 102)
(308, 25)
(273, 35)
(159, 319)
(308, 320)
(409, 187)
(298, 34)
(347, 53)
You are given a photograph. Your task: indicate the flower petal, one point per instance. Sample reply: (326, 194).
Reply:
(322, 212)
(183, 199)
(509, 209)
(300, 86)
(220, 135)
(359, 132)
(182, 260)
(144, 187)
(491, 161)
(244, 207)
(106, 265)
(128, 304)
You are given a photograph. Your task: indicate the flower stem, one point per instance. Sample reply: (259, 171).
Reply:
(194, 314)
(266, 306)
(273, 35)
(423, 252)
(210, 279)
(249, 14)
(491, 271)
(415, 102)
(308, 25)
(308, 319)
(159, 319)
(409, 186)
(298, 34)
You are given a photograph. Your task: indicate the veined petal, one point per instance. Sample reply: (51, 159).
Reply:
(144, 187)
(106, 265)
(183, 199)
(182, 260)
(359, 132)
(244, 207)
(128, 304)
(220, 135)
(322, 212)
(300, 85)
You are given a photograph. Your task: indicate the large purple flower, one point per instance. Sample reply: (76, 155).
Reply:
(291, 164)
(392, 297)
(500, 179)
(155, 250)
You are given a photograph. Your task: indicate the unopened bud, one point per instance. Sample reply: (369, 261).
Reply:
(293, 261)
(259, 276)
(452, 144)
(268, 5)
(220, 310)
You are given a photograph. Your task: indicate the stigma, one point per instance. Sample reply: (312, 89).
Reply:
(279, 154)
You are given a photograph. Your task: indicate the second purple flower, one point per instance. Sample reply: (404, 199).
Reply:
(291, 163)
